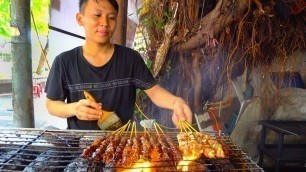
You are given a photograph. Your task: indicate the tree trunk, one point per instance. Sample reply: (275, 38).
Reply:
(22, 65)
(119, 36)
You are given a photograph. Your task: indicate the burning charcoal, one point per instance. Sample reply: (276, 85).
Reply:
(6, 155)
(110, 167)
(49, 161)
(78, 165)
(191, 166)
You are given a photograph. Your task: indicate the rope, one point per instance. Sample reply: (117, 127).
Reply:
(40, 45)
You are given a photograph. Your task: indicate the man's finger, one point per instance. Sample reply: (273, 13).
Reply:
(188, 114)
(90, 104)
(88, 117)
(180, 114)
(175, 120)
(100, 105)
(89, 110)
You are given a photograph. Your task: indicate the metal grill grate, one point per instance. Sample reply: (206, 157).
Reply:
(60, 150)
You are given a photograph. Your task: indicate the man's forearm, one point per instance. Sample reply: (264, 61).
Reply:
(59, 108)
(161, 97)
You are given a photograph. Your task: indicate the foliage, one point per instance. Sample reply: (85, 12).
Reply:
(5, 18)
(40, 9)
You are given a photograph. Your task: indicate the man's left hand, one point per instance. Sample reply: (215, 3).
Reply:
(181, 112)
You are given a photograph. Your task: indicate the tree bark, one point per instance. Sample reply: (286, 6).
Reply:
(119, 36)
(22, 65)
(223, 14)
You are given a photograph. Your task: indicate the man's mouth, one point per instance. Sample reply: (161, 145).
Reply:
(103, 32)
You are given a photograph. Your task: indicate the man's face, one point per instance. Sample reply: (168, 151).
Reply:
(99, 21)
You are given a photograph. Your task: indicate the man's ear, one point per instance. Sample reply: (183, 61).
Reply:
(79, 18)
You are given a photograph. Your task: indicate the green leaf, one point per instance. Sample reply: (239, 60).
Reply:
(160, 26)
(40, 10)
(149, 64)
(138, 10)
(149, 24)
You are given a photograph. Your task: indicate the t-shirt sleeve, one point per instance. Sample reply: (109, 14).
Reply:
(143, 78)
(55, 86)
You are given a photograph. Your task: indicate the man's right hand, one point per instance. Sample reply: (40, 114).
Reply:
(87, 110)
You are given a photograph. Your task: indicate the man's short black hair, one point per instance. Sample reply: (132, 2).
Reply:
(82, 4)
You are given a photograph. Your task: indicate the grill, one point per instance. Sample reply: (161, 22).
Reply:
(60, 150)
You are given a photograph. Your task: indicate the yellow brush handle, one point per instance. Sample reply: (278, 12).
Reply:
(88, 96)
(108, 119)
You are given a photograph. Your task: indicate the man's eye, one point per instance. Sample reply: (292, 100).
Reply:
(112, 18)
(97, 15)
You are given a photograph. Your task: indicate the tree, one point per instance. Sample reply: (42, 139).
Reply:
(40, 11)
(215, 41)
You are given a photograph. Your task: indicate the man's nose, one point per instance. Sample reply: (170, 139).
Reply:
(104, 21)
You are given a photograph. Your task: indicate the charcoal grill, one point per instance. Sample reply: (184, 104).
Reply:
(60, 150)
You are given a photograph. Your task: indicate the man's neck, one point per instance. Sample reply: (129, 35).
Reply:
(98, 54)
(94, 50)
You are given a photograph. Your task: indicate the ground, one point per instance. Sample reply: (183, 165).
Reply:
(42, 118)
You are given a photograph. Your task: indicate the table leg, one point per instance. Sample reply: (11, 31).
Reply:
(262, 143)
(279, 150)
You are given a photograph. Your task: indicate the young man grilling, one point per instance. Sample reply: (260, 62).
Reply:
(109, 72)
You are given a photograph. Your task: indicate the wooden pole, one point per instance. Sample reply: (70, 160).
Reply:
(22, 64)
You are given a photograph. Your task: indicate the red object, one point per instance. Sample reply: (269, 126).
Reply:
(37, 90)
(297, 6)
(213, 115)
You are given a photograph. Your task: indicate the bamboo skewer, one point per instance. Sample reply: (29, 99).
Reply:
(160, 128)
(144, 128)
(119, 129)
(132, 130)
(128, 128)
(180, 125)
(156, 129)
(124, 127)
(191, 127)
(135, 129)
(186, 127)
(183, 126)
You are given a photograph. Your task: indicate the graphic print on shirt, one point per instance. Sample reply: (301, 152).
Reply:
(108, 85)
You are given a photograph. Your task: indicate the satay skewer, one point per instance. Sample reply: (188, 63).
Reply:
(156, 129)
(128, 128)
(191, 127)
(132, 130)
(186, 127)
(121, 129)
(180, 126)
(92, 148)
(135, 129)
(160, 128)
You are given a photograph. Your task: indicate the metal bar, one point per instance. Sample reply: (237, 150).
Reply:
(7, 159)
(51, 145)
(65, 32)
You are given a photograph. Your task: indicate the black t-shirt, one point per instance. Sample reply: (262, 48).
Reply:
(114, 84)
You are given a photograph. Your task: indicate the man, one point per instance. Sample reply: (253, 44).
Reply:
(111, 73)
